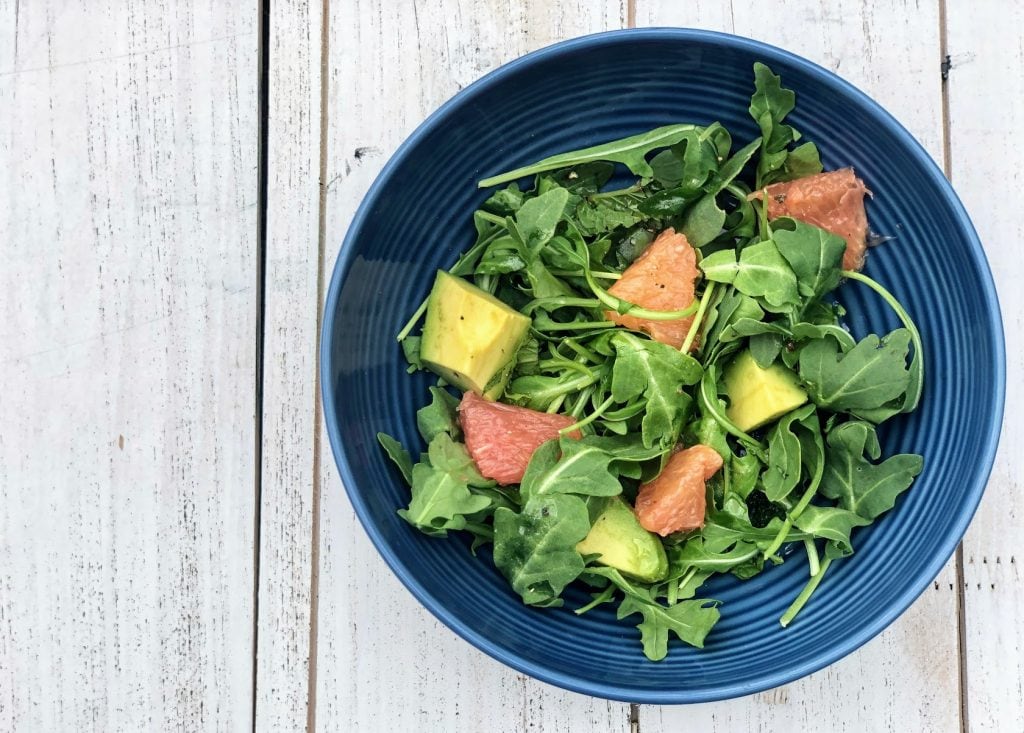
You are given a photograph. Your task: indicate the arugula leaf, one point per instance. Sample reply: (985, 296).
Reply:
(630, 151)
(703, 222)
(450, 457)
(815, 255)
(759, 272)
(765, 348)
(702, 552)
(411, 352)
(439, 416)
(831, 523)
(689, 620)
(733, 167)
(567, 466)
(866, 488)
(608, 212)
(440, 501)
(658, 372)
(744, 471)
(536, 548)
(687, 164)
(505, 201)
(502, 256)
(866, 377)
(398, 454)
(584, 179)
(769, 105)
(537, 218)
(784, 455)
(669, 202)
(803, 160)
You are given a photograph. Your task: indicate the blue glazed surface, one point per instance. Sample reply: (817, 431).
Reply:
(416, 218)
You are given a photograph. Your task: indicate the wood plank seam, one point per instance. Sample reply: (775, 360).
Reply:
(314, 566)
(947, 168)
(262, 121)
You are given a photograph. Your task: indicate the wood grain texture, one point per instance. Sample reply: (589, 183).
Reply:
(127, 242)
(384, 662)
(986, 110)
(908, 677)
(290, 325)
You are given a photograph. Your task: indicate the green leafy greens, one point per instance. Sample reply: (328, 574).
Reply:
(552, 249)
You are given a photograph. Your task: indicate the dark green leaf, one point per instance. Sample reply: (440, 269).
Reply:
(398, 454)
(439, 416)
(659, 373)
(816, 256)
(831, 523)
(663, 204)
(537, 218)
(411, 351)
(703, 222)
(802, 161)
(630, 151)
(765, 348)
(536, 548)
(784, 460)
(689, 620)
(733, 167)
(453, 458)
(440, 501)
(863, 487)
(866, 377)
(584, 179)
(506, 201)
(760, 272)
(568, 466)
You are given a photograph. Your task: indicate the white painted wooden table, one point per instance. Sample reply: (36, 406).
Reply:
(176, 552)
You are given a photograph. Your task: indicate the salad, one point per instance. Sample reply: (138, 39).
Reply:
(645, 379)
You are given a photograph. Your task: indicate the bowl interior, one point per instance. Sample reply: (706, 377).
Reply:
(416, 218)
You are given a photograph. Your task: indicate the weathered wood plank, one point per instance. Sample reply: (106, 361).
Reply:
(289, 394)
(986, 110)
(384, 663)
(908, 677)
(127, 243)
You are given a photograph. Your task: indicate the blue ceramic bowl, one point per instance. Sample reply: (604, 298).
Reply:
(416, 218)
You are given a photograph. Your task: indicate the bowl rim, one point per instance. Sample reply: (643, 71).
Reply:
(775, 678)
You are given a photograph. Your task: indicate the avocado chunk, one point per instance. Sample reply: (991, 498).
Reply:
(757, 396)
(623, 544)
(470, 338)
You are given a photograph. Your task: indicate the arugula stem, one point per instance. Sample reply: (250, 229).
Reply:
(575, 326)
(812, 556)
(695, 326)
(917, 363)
(711, 407)
(589, 418)
(805, 594)
(493, 218)
(635, 188)
(547, 365)
(556, 404)
(559, 301)
(581, 401)
(624, 307)
(582, 350)
(579, 273)
(603, 597)
(408, 327)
